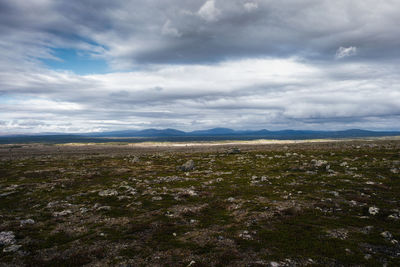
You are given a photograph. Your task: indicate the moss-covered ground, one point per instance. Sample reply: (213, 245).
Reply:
(315, 204)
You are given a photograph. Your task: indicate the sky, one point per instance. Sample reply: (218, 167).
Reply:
(100, 65)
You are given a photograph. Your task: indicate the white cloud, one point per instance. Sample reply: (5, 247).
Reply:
(209, 12)
(251, 93)
(346, 52)
(250, 6)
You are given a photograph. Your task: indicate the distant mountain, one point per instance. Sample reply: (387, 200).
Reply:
(141, 133)
(201, 135)
(214, 131)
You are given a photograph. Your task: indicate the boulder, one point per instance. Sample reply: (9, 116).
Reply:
(188, 166)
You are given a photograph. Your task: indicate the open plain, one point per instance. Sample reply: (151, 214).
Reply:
(325, 203)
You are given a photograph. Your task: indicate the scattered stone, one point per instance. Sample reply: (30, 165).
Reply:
(335, 193)
(7, 238)
(83, 210)
(245, 235)
(156, 198)
(348, 251)
(274, 264)
(27, 221)
(341, 234)
(367, 229)
(318, 163)
(327, 167)
(62, 213)
(233, 150)
(344, 164)
(7, 193)
(129, 189)
(188, 166)
(135, 159)
(108, 193)
(104, 208)
(394, 216)
(387, 235)
(353, 203)
(12, 248)
(373, 210)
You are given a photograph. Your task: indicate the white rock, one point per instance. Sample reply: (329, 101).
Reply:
(373, 210)
(27, 221)
(7, 238)
(12, 248)
(191, 263)
(62, 213)
(108, 192)
(387, 235)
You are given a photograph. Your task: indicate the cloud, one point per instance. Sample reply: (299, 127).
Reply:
(209, 31)
(209, 12)
(168, 30)
(346, 52)
(197, 64)
(250, 6)
(251, 93)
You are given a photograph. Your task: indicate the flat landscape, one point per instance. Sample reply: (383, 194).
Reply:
(294, 203)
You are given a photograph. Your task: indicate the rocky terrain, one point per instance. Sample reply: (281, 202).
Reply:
(314, 204)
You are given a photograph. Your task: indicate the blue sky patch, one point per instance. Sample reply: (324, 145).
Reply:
(76, 61)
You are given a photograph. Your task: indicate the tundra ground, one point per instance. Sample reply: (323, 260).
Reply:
(313, 203)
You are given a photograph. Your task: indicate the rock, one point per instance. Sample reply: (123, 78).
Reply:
(108, 192)
(27, 221)
(157, 198)
(245, 235)
(135, 159)
(105, 208)
(12, 248)
(327, 167)
(189, 192)
(395, 217)
(62, 213)
(341, 234)
(233, 150)
(129, 189)
(373, 210)
(319, 163)
(191, 263)
(367, 229)
(188, 166)
(7, 193)
(387, 235)
(7, 238)
(274, 264)
(394, 170)
(344, 164)
(335, 193)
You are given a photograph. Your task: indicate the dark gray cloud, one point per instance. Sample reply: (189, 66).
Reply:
(133, 32)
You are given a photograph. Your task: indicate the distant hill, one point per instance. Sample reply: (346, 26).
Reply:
(201, 135)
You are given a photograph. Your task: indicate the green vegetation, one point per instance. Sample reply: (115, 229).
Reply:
(307, 204)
